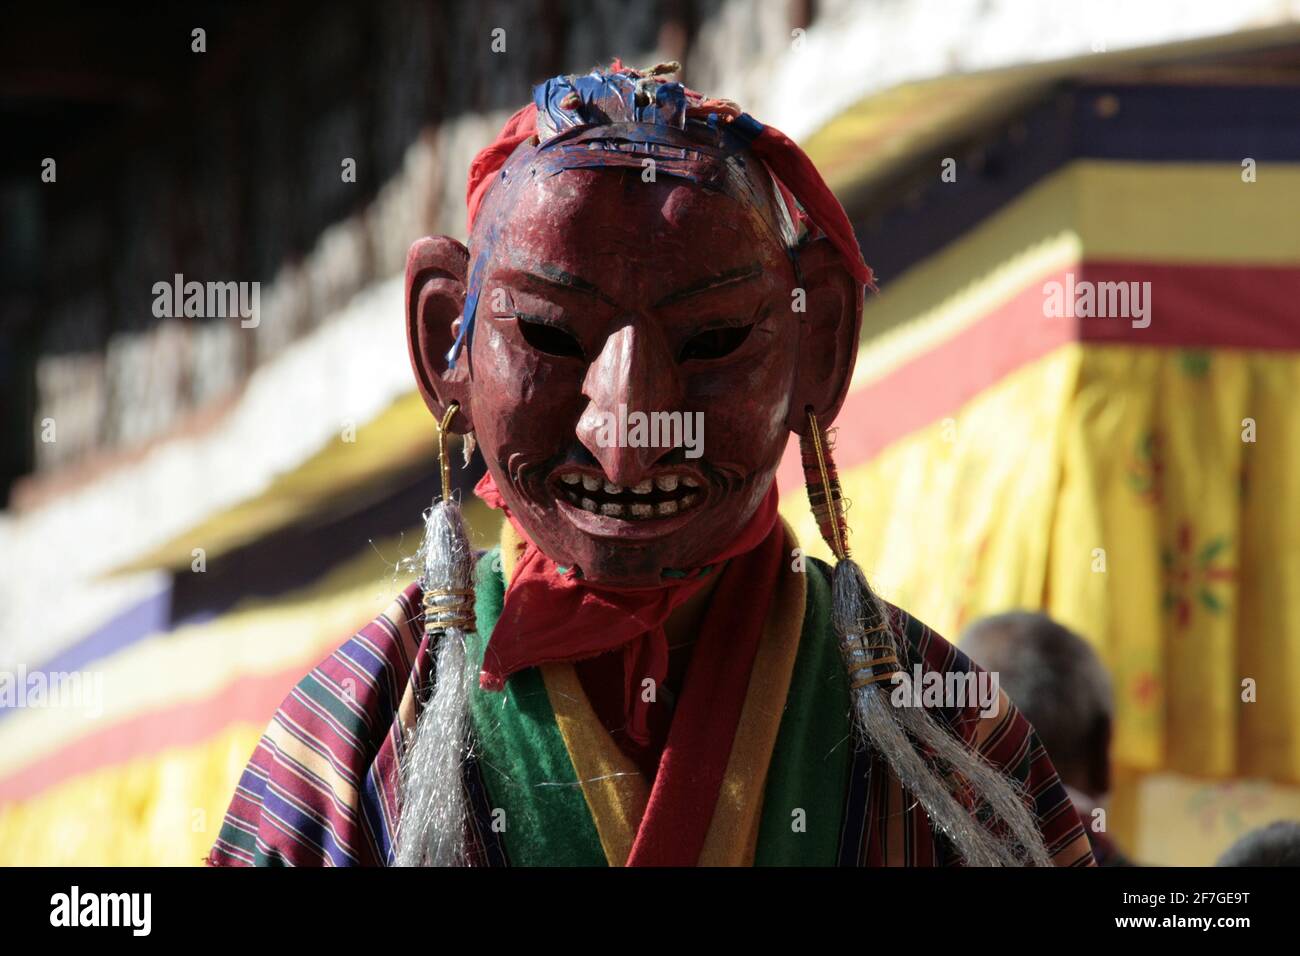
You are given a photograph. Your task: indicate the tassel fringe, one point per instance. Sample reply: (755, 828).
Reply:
(434, 817)
(940, 770)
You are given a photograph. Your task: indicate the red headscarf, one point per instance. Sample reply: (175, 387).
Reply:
(790, 166)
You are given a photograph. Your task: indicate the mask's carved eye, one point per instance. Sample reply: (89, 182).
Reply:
(548, 338)
(715, 343)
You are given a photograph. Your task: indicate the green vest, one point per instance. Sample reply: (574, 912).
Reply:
(527, 771)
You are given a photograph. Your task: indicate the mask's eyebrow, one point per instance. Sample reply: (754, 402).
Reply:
(556, 277)
(730, 277)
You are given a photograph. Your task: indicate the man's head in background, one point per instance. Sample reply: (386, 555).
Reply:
(1277, 844)
(1059, 684)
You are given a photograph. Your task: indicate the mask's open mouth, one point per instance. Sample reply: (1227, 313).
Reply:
(663, 495)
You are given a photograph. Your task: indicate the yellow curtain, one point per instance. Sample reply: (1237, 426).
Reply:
(1150, 499)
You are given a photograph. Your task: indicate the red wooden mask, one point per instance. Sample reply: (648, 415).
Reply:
(642, 345)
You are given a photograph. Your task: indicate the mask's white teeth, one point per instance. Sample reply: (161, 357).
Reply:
(588, 505)
(689, 500)
(666, 482)
(642, 511)
(612, 489)
(690, 482)
(612, 508)
(571, 478)
(667, 507)
(590, 483)
(644, 487)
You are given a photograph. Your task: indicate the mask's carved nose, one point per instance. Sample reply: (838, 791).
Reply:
(635, 369)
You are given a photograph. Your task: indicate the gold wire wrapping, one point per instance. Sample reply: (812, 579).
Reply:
(832, 503)
(444, 460)
(868, 681)
(448, 607)
(873, 663)
(457, 612)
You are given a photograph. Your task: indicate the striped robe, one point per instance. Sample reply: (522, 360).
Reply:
(322, 786)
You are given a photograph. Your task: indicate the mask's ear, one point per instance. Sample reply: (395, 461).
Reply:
(436, 269)
(828, 334)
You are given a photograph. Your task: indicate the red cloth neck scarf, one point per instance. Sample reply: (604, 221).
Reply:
(551, 616)
(684, 798)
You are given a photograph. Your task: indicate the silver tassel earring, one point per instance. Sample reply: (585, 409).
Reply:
(434, 808)
(876, 656)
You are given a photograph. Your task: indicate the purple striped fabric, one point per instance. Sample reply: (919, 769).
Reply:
(321, 788)
(885, 826)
